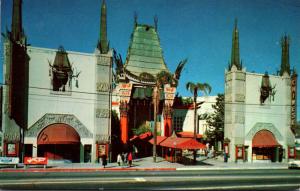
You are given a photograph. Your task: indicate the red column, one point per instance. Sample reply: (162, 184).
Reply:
(168, 120)
(124, 121)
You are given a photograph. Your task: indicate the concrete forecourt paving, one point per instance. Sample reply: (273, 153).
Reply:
(147, 164)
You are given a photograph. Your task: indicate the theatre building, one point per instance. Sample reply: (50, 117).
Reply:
(56, 103)
(260, 110)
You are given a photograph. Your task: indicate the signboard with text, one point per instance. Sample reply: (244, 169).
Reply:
(9, 160)
(125, 92)
(293, 102)
(35, 160)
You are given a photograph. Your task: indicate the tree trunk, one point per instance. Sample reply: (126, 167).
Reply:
(195, 126)
(155, 97)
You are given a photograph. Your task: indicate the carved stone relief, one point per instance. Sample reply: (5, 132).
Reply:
(102, 113)
(239, 97)
(102, 87)
(100, 138)
(12, 134)
(103, 60)
(49, 119)
(264, 126)
(240, 76)
(228, 77)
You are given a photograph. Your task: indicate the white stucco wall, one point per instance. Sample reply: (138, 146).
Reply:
(188, 114)
(42, 100)
(276, 112)
(245, 115)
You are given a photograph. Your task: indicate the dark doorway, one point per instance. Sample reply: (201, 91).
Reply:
(28, 150)
(67, 152)
(87, 153)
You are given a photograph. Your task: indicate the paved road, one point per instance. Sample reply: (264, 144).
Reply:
(153, 180)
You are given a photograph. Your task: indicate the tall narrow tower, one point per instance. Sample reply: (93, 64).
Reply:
(285, 55)
(235, 51)
(16, 64)
(235, 82)
(103, 45)
(102, 118)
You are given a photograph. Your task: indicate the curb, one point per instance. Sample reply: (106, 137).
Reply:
(87, 169)
(134, 169)
(230, 168)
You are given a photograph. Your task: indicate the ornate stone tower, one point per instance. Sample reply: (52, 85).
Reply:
(103, 90)
(15, 101)
(235, 79)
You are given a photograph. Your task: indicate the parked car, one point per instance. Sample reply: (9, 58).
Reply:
(294, 164)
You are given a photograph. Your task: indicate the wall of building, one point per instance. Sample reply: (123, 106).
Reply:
(188, 114)
(42, 99)
(245, 115)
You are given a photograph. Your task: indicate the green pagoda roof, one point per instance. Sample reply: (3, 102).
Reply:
(145, 54)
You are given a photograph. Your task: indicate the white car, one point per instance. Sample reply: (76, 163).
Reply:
(294, 164)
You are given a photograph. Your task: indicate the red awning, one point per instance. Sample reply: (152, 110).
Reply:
(264, 138)
(191, 144)
(143, 136)
(173, 142)
(58, 133)
(159, 139)
(187, 134)
(178, 143)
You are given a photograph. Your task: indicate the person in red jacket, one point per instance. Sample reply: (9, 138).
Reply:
(130, 159)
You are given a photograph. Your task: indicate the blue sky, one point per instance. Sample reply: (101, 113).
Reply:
(200, 30)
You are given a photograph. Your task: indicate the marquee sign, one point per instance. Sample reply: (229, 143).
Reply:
(293, 101)
(125, 92)
(169, 94)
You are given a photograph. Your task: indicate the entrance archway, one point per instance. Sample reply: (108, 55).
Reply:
(265, 146)
(59, 141)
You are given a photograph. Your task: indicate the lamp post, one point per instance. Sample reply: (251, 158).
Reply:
(175, 150)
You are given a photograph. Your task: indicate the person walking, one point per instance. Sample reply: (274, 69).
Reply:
(130, 159)
(104, 161)
(119, 159)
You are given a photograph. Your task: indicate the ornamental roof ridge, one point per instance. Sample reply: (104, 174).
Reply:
(145, 53)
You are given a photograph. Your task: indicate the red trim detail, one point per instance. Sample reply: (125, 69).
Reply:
(264, 138)
(114, 103)
(186, 134)
(58, 133)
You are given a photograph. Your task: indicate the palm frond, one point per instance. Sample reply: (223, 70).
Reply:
(179, 69)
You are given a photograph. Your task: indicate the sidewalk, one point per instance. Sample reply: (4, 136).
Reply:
(147, 164)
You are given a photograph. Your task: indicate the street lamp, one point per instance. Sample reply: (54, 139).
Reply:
(175, 150)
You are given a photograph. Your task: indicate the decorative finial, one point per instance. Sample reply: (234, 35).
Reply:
(235, 23)
(135, 18)
(155, 22)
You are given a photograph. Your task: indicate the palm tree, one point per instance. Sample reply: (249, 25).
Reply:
(194, 88)
(162, 78)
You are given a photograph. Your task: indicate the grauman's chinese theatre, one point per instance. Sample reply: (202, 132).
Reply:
(56, 102)
(137, 79)
(260, 110)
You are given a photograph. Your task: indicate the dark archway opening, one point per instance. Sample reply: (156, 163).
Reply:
(59, 142)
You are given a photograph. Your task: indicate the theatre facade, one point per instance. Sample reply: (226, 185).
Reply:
(260, 110)
(56, 103)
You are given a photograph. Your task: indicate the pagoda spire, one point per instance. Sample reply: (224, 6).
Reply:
(235, 51)
(103, 45)
(16, 24)
(285, 55)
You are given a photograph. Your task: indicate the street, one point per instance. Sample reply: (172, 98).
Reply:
(154, 180)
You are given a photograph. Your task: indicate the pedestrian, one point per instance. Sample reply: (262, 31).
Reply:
(125, 158)
(119, 159)
(130, 159)
(104, 161)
